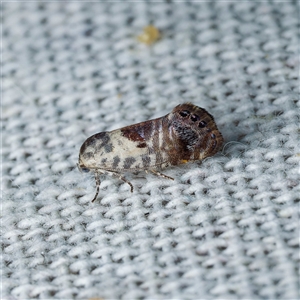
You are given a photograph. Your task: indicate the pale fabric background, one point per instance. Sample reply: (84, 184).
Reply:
(224, 229)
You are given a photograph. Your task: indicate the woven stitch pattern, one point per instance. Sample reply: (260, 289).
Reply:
(225, 228)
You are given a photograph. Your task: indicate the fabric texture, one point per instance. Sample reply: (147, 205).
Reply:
(226, 227)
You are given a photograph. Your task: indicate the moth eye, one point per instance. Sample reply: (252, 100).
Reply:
(85, 170)
(184, 113)
(195, 118)
(202, 124)
(213, 136)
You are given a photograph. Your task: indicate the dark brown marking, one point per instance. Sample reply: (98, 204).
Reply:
(95, 141)
(108, 148)
(141, 145)
(116, 161)
(128, 162)
(139, 132)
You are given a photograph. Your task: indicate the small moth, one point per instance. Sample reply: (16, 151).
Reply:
(188, 133)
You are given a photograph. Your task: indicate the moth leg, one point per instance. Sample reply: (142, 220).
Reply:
(161, 174)
(97, 179)
(128, 182)
(117, 174)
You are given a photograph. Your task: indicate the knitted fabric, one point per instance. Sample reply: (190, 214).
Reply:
(226, 227)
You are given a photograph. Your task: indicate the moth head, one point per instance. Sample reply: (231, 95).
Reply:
(193, 115)
(196, 130)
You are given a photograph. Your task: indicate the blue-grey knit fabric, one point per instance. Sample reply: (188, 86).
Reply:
(226, 228)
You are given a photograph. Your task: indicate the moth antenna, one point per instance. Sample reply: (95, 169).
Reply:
(97, 179)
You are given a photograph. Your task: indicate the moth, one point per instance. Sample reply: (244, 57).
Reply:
(188, 133)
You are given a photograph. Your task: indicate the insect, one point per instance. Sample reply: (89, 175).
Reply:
(188, 133)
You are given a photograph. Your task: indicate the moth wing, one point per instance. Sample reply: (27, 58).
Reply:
(123, 154)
